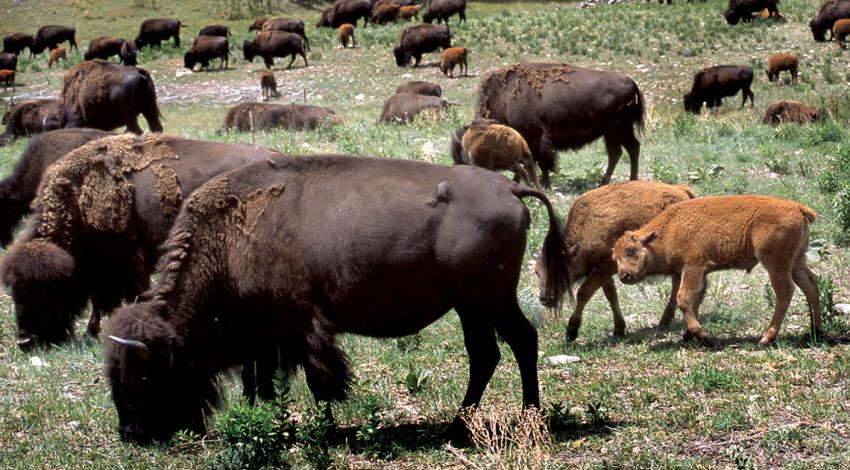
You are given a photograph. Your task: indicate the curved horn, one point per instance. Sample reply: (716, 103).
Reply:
(137, 346)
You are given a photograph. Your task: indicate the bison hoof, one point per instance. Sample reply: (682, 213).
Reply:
(765, 342)
(619, 332)
(572, 334)
(458, 433)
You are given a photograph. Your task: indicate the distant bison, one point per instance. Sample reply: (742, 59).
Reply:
(103, 47)
(215, 30)
(346, 35)
(840, 31)
(129, 53)
(289, 25)
(30, 117)
(712, 84)
(268, 85)
(420, 88)
(404, 107)
(409, 12)
(442, 10)
(559, 106)
(346, 11)
(14, 43)
(7, 78)
(421, 39)
(56, 55)
(496, 147)
(49, 37)
(264, 116)
(830, 12)
(155, 30)
(206, 48)
(384, 12)
(790, 111)
(271, 44)
(454, 57)
(780, 62)
(104, 95)
(743, 9)
(8, 61)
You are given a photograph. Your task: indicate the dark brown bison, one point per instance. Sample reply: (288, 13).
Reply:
(271, 44)
(104, 95)
(215, 30)
(345, 11)
(264, 116)
(289, 25)
(206, 48)
(404, 107)
(420, 88)
(8, 61)
(743, 9)
(103, 47)
(14, 43)
(155, 30)
(790, 111)
(99, 218)
(49, 37)
(442, 10)
(129, 53)
(558, 106)
(18, 189)
(218, 296)
(421, 39)
(30, 117)
(712, 84)
(830, 12)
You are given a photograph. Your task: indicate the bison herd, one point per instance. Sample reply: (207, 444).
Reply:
(263, 259)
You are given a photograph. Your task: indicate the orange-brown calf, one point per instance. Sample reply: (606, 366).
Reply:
(7, 77)
(454, 56)
(780, 62)
(55, 55)
(693, 238)
(409, 12)
(840, 30)
(268, 85)
(346, 35)
(497, 147)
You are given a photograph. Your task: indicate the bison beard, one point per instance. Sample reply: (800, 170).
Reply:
(218, 297)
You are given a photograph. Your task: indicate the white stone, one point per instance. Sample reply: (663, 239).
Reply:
(562, 359)
(37, 362)
(843, 309)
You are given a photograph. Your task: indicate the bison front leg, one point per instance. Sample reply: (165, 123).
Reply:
(133, 125)
(670, 308)
(585, 292)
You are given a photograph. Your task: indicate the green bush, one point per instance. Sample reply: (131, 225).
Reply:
(253, 436)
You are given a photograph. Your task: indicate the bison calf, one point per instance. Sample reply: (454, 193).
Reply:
(790, 111)
(691, 239)
(55, 55)
(409, 12)
(454, 56)
(496, 147)
(7, 77)
(268, 85)
(840, 30)
(780, 62)
(346, 35)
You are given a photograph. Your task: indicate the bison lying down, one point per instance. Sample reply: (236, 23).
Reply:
(790, 111)
(217, 295)
(404, 107)
(30, 117)
(418, 87)
(691, 239)
(99, 218)
(263, 116)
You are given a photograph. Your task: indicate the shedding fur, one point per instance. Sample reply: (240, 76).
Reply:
(167, 189)
(36, 261)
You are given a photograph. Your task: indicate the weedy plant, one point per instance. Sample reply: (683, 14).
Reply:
(313, 438)
(254, 436)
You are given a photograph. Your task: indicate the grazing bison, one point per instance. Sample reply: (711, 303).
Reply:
(49, 37)
(403, 107)
(418, 87)
(454, 57)
(840, 30)
(384, 12)
(596, 220)
(830, 12)
(14, 43)
(289, 25)
(104, 95)
(712, 84)
(17, 191)
(206, 48)
(264, 116)
(780, 62)
(421, 39)
(409, 12)
(30, 117)
(99, 218)
(217, 295)
(790, 111)
(8, 61)
(346, 11)
(442, 10)
(155, 30)
(56, 55)
(104, 47)
(129, 53)
(271, 44)
(558, 106)
(743, 9)
(693, 238)
(496, 147)
(346, 35)
(268, 85)
(215, 30)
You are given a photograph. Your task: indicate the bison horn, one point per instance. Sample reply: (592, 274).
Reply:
(25, 342)
(137, 346)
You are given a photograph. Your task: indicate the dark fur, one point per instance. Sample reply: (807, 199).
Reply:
(743, 9)
(49, 37)
(289, 25)
(215, 30)
(278, 116)
(129, 53)
(346, 11)
(421, 39)
(8, 61)
(420, 88)
(258, 23)
(712, 84)
(790, 111)
(830, 12)
(104, 95)
(206, 48)
(18, 189)
(404, 107)
(442, 10)
(217, 297)
(559, 106)
(155, 30)
(15, 43)
(103, 47)
(271, 44)
(109, 264)
(30, 117)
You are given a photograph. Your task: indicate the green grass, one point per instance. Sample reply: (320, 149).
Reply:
(645, 401)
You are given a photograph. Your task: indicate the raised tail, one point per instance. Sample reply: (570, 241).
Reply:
(808, 213)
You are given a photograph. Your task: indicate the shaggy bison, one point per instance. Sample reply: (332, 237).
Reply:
(215, 30)
(418, 87)
(830, 12)
(104, 95)
(712, 84)
(14, 43)
(421, 39)
(218, 296)
(155, 30)
(558, 106)
(18, 189)
(100, 215)
(268, 85)
(790, 111)
(206, 48)
(454, 57)
(8, 61)
(129, 53)
(346, 11)
(780, 62)
(289, 25)
(49, 37)
(271, 44)
(441, 10)
(840, 31)
(30, 117)
(495, 147)
(403, 107)
(103, 47)
(264, 116)
(743, 9)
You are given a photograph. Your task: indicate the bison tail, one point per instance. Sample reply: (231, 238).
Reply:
(808, 213)
(640, 113)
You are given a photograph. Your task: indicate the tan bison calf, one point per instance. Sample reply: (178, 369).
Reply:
(693, 238)
(790, 111)
(346, 35)
(596, 220)
(268, 85)
(497, 147)
(7, 77)
(409, 12)
(454, 56)
(840, 30)
(781, 62)
(55, 55)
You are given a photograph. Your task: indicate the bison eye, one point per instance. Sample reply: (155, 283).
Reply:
(631, 252)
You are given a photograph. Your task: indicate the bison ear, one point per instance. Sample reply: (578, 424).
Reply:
(648, 238)
(630, 234)
(133, 345)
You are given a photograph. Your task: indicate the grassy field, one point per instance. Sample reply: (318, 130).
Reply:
(645, 401)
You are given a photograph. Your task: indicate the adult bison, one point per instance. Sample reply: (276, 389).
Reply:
(103, 47)
(420, 39)
(558, 106)
(206, 48)
(290, 25)
(265, 116)
(129, 53)
(215, 30)
(153, 31)
(8, 61)
(743, 9)
(99, 218)
(18, 189)
(419, 87)
(217, 294)
(442, 10)
(830, 12)
(30, 117)
(271, 44)
(103, 95)
(404, 107)
(14, 43)
(345, 11)
(712, 84)
(50, 36)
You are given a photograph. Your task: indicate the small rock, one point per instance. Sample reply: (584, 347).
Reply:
(360, 97)
(37, 362)
(72, 425)
(843, 309)
(562, 360)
